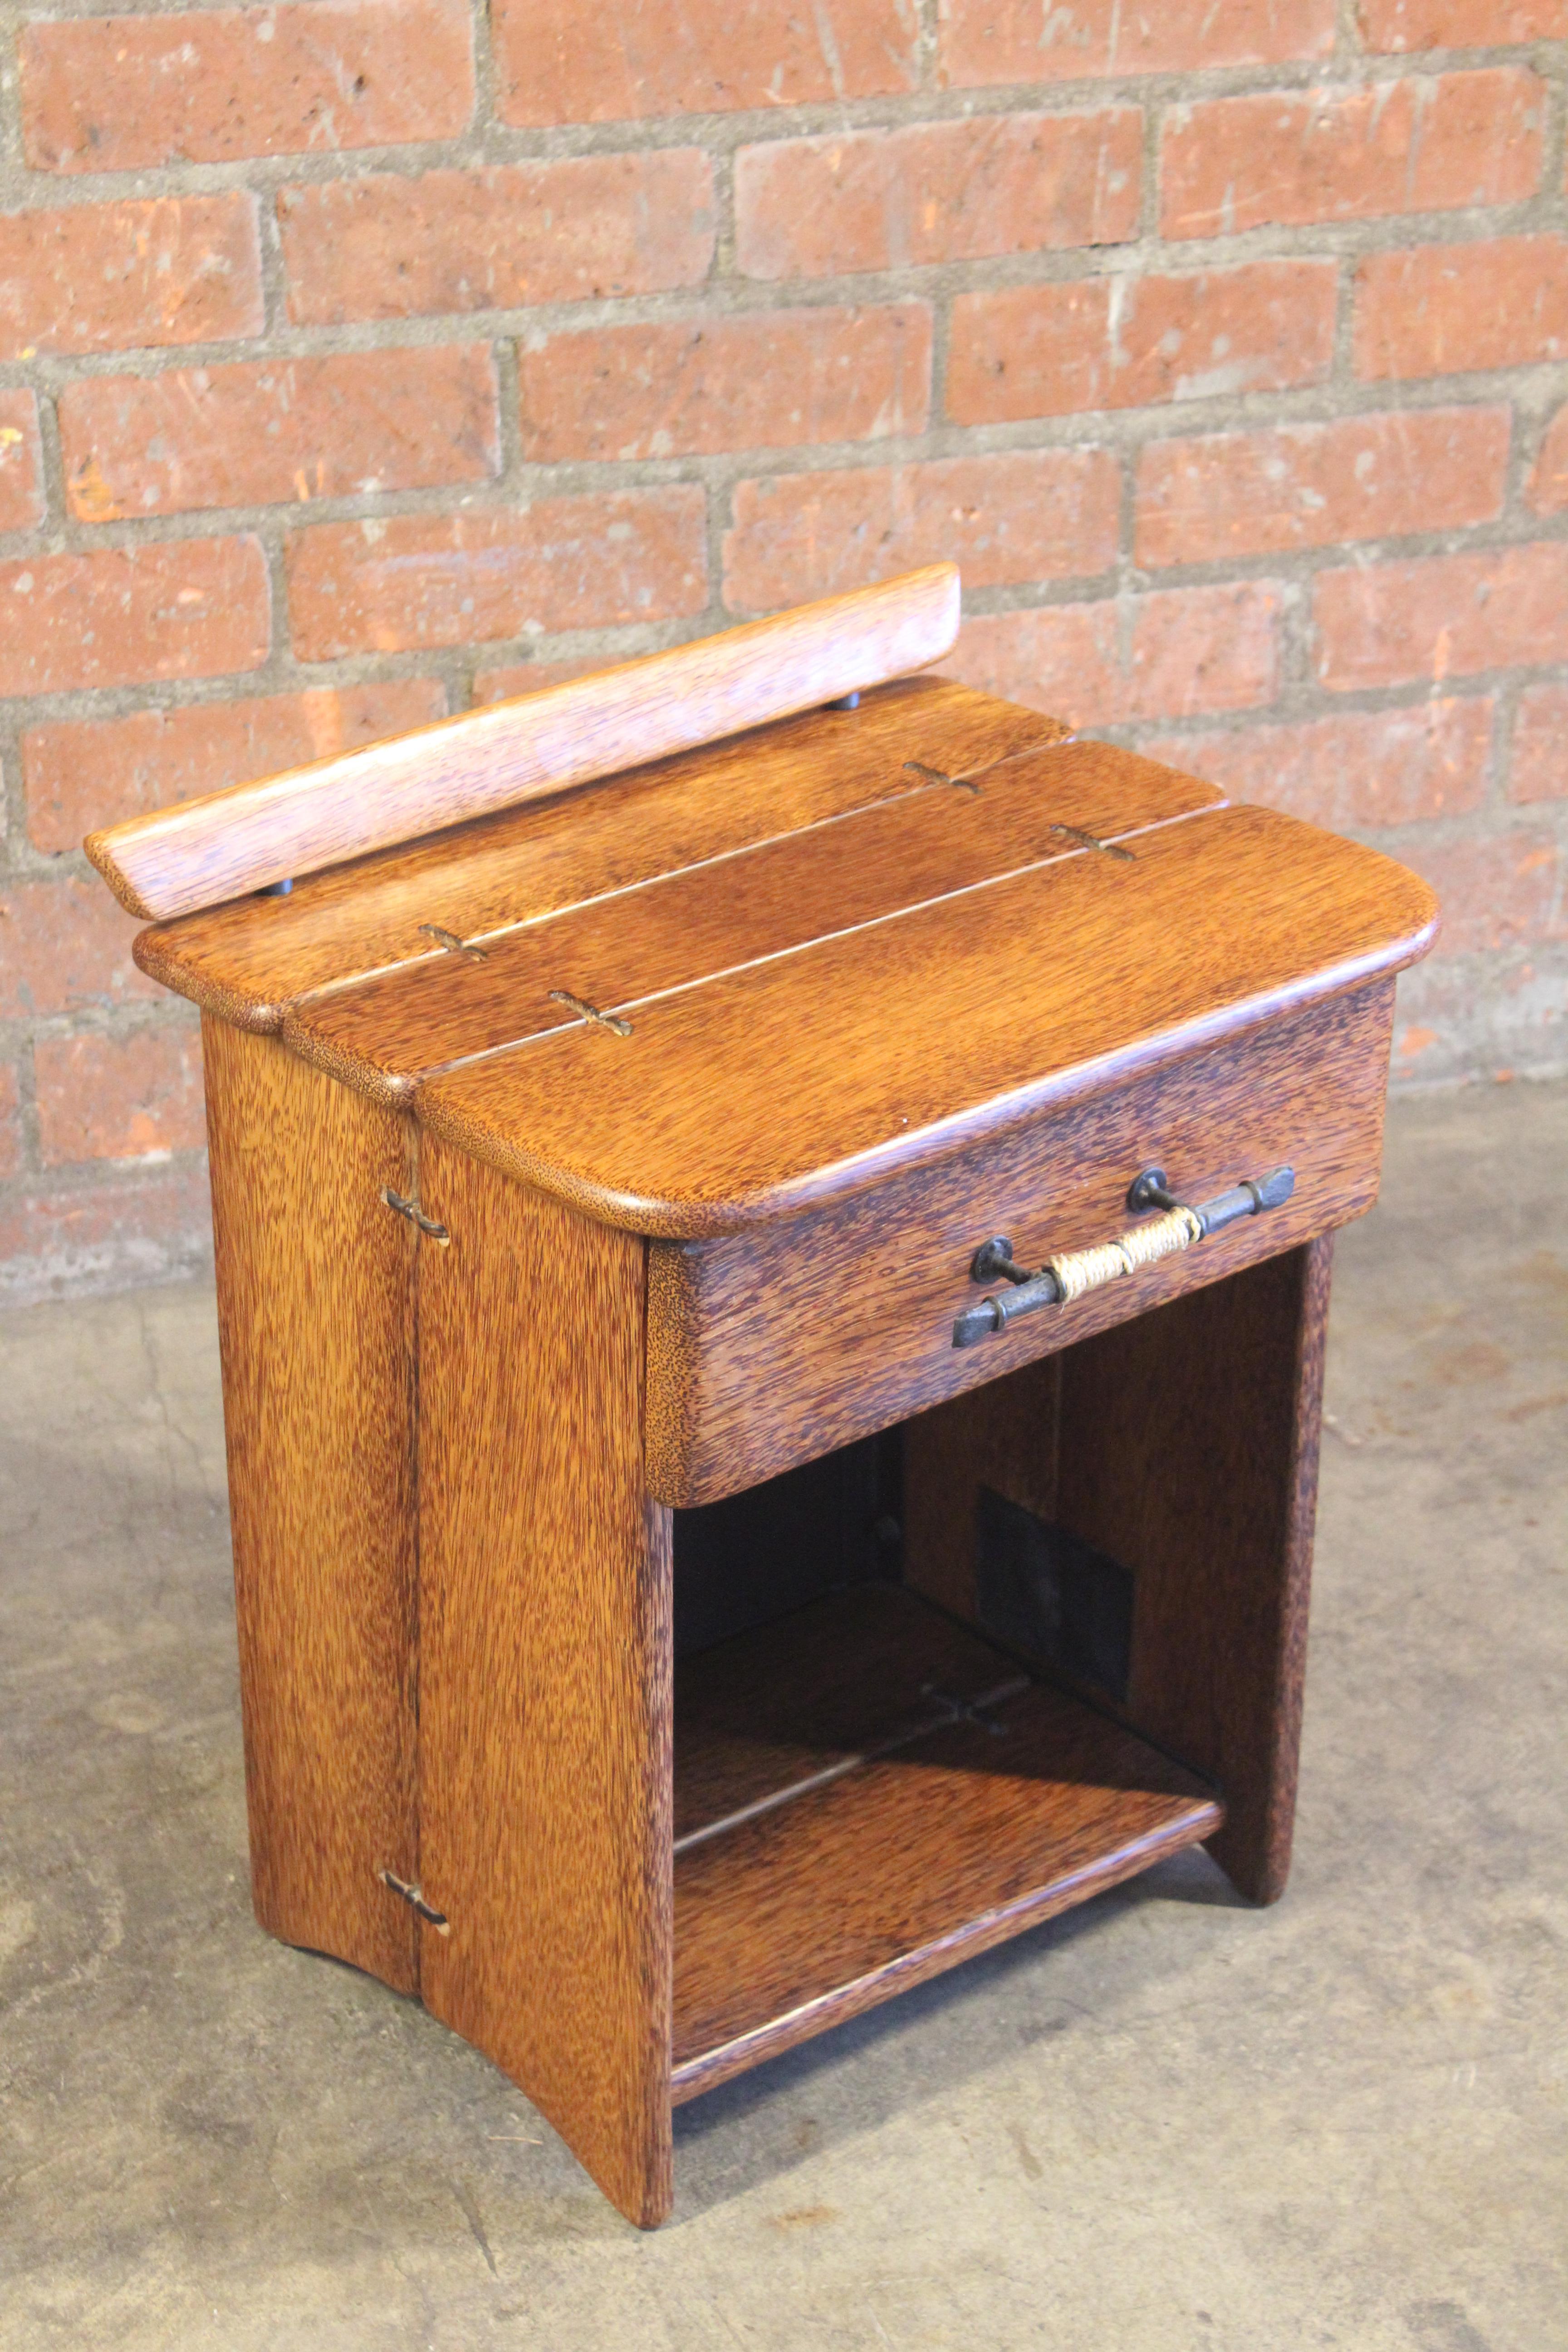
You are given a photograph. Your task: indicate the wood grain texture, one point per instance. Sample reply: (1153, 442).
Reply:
(203, 851)
(315, 1290)
(252, 958)
(545, 1677)
(810, 1691)
(815, 1910)
(873, 1055)
(1189, 1452)
(1003, 1436)
(618, 952)
(843, 1322)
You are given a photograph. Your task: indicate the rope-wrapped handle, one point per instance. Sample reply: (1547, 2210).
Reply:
(1072, 1273)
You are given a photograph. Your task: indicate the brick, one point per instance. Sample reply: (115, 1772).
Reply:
(132, 615)
(937, 192)
(1356, 768)
(21, 462)
(1030, 351)
(1047, 351)
(450, 579)
(264, 430)
(123, 1097)
(122, 1228)
(1019, 40)
(1021, 515)
(1231, 494)
(103, 278)
(1497, 893)
(126, 1227)
(1164, 655)
(515, 678)
(1549, 482)
(775, 380)
(1450, 616)
(209, 85)
(65, 947)
(1441, 308)
(559, 62)
(576, 230)
(10, 1122)
(1291, 156)
(82, 773)
(1393, 24)
(1540, 765)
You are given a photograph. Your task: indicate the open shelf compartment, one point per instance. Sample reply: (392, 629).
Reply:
(931, 1688)
(866, 1792)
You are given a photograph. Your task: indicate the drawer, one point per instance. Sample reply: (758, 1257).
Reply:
(769, 1347)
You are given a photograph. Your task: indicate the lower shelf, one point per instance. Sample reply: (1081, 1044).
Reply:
(867, 1794)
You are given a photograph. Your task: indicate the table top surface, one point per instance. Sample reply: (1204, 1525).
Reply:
(833, 948)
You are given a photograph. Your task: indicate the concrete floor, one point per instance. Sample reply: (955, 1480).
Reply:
(1164, 2123)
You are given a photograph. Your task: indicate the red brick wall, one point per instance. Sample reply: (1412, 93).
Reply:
(360, 359)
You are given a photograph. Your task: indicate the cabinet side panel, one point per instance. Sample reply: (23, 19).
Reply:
(316, 1318)
(1003, 1436)
(545, 1672)
(1189, 1451)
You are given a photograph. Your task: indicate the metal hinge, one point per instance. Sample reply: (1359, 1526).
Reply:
(416, 1902)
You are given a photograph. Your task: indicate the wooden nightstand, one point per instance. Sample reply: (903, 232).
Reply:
(680, 1604)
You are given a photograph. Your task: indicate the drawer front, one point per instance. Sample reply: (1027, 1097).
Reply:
(770, 1348)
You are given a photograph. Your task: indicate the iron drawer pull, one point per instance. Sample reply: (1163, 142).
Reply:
(1067, 1277)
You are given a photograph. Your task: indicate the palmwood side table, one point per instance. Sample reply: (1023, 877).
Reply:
(772, 1294)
